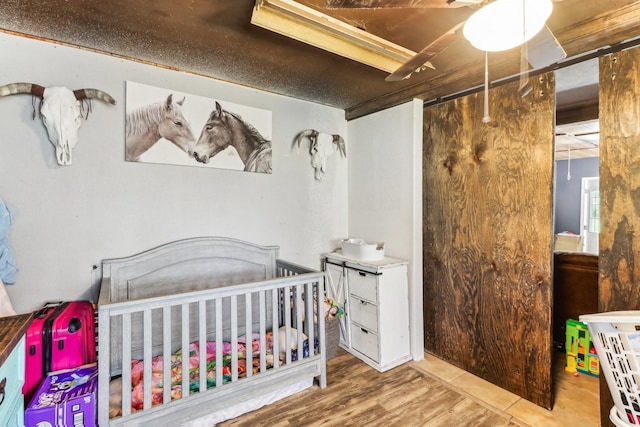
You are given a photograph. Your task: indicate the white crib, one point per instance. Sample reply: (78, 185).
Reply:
(207, 292)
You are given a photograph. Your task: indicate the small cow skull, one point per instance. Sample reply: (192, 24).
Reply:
(321, 146)
(60, 110)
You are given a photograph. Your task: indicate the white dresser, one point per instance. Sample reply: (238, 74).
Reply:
(375, 298)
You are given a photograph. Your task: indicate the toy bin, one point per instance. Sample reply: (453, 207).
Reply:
(616, 336)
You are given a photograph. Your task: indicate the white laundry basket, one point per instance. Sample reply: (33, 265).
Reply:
(616, 337)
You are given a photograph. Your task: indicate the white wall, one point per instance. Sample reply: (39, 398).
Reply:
(69, 218)
(385, 194)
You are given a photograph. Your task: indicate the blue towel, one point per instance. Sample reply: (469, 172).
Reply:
(8, 270)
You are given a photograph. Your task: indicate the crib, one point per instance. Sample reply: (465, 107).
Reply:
(252, 312)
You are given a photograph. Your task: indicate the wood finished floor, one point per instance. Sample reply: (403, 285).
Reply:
(426, 393)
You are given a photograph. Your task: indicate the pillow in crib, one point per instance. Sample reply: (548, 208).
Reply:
(293, 337)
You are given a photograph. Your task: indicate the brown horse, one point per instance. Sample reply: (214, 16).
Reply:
(223, 129)
(146, 125)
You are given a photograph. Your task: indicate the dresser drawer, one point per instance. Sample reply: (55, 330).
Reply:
(364, 313)
(363, 284)
(364, 341)
(12, 412)
(12, 378)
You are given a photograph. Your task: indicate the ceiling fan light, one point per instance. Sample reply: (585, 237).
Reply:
(503, 24)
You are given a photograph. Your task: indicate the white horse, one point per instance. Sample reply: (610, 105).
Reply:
(146, 125)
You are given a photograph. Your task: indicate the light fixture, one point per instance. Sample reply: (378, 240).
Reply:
(505, 24)
(302, 23)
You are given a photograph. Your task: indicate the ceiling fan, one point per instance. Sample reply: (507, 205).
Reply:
(590, 139)
(587, 142)
(540, 51)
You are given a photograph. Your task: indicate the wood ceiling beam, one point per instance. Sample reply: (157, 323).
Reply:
(578, 114)
(602, 30)
(380, 4)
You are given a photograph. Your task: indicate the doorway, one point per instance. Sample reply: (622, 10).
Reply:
(576, 219)
(576, 158)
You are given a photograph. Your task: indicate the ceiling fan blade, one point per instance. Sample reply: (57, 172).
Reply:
(385, 4)
(577, 137)
(544, 49)
(421, 58)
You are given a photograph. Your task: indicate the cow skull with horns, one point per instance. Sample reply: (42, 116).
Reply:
(321, 146)
(60, 110)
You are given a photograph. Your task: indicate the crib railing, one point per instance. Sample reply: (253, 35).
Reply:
(283, 307)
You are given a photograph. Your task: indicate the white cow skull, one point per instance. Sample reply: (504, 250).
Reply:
(60, 111)
(321, 146)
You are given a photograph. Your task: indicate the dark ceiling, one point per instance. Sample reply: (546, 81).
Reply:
(215, 38)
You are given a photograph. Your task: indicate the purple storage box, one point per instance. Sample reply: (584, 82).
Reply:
(65, 398)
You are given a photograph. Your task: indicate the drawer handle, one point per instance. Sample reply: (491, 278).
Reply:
(362, 273)
(364, 330)
(3, 385)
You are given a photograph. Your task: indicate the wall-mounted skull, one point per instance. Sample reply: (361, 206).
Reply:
(61, 114)
(321, 146)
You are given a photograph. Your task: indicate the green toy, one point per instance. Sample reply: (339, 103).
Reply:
(581, 354)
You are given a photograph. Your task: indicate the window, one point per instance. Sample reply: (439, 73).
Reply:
(594, 211)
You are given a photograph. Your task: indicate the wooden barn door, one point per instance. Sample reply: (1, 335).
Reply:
(619, 284)
(488, 191)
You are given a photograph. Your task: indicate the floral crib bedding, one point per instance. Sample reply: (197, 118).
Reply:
(137, 392)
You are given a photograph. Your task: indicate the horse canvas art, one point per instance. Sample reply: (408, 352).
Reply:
(146, 125)
(237, 137)
(224, 129)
